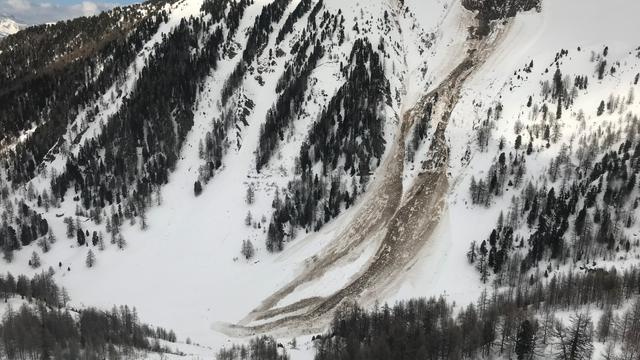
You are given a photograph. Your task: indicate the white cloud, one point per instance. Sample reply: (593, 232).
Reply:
(88, 7)
(41, 11)
(19, 5)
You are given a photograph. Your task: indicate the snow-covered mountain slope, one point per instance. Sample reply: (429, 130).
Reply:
(240, 167)
(538, 38)
(9, 26)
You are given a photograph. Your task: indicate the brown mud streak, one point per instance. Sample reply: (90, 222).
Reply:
(406, 225)
(378, 208)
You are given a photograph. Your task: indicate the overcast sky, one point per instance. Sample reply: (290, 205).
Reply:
(42, 11)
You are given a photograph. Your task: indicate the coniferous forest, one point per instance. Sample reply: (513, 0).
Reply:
(46, 327)
(520, 323)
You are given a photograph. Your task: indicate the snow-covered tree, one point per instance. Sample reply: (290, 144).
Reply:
(91, 259)
(34, 262)
(247, 249)
(250, 196)
(121, 242)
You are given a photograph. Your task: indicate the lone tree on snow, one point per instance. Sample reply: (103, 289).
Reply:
(34, 262)
(251, 195)
(121, 242)
(247, 249)
(91, 259)
(197, 188)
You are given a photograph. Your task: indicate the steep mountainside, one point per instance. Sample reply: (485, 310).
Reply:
(240, 167)
(9, 26)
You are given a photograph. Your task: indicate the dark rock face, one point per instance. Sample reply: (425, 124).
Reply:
(489, 10)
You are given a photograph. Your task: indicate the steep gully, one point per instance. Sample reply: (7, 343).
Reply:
(401, 225)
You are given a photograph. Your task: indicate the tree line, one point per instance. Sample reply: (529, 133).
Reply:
(519, 323)
(44, 327)
(259, 348)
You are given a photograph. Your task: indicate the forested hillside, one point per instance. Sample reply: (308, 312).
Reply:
(45, 327)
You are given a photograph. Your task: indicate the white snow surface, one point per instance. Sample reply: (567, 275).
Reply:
(9, 26)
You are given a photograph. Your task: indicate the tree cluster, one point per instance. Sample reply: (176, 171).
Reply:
(290, 101)
(39, 332)
(141, 142)
(347, 141)
(21, 227)
(259, 348)
(256, 42)
(44, 328)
